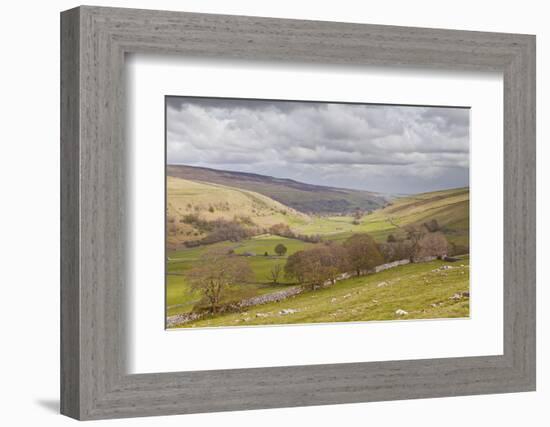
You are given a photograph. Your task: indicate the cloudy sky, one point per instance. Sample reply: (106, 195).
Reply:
(390, 149)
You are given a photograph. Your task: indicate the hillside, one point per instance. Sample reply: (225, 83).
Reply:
(192, 206)
(450, 208)
(423, 291)
(256, 212)
(307, 198)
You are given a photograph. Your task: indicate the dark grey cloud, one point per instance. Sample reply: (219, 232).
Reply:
(395, 149)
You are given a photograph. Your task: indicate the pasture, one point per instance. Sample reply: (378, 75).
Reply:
(180, 298)
(431, 290)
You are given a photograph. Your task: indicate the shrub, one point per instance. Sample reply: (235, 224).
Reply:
(226, 230)
(282, 230)
(190, 218)
(245, 220)
(315, 238)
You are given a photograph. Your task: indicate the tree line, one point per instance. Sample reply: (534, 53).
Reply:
(360, 254)
(239, 228)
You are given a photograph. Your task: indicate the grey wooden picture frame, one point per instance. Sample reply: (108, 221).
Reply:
(94, 380)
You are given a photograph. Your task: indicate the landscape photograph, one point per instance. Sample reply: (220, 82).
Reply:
(301, 212)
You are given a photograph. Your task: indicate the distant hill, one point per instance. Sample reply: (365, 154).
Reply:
(306, 198)
(193, 206)
(450, 208)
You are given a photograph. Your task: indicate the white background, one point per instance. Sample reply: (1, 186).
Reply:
(154, 350)
(29, 250)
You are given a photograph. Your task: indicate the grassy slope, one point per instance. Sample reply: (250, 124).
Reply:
(413, 288)
(303, 197)
(212, 201)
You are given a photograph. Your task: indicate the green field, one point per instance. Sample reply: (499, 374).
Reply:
(424, 291)
(180, 299)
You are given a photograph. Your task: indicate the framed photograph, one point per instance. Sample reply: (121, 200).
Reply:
(262, 213)
(293, 212)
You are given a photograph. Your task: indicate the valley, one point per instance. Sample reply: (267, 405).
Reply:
(248, 222)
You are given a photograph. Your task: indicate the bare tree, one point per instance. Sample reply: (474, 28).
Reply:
(394, 251)
(415, 234)
(432, 244)
(363, 252)
(337, 259)
(275, 273)
(316, 266)
(216, 276)
(295, 266)
(423, 241)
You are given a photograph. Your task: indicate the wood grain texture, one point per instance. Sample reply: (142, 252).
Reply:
(70, 292)
(95, 383)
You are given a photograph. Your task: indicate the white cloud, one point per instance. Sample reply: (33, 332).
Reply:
(373, 147)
